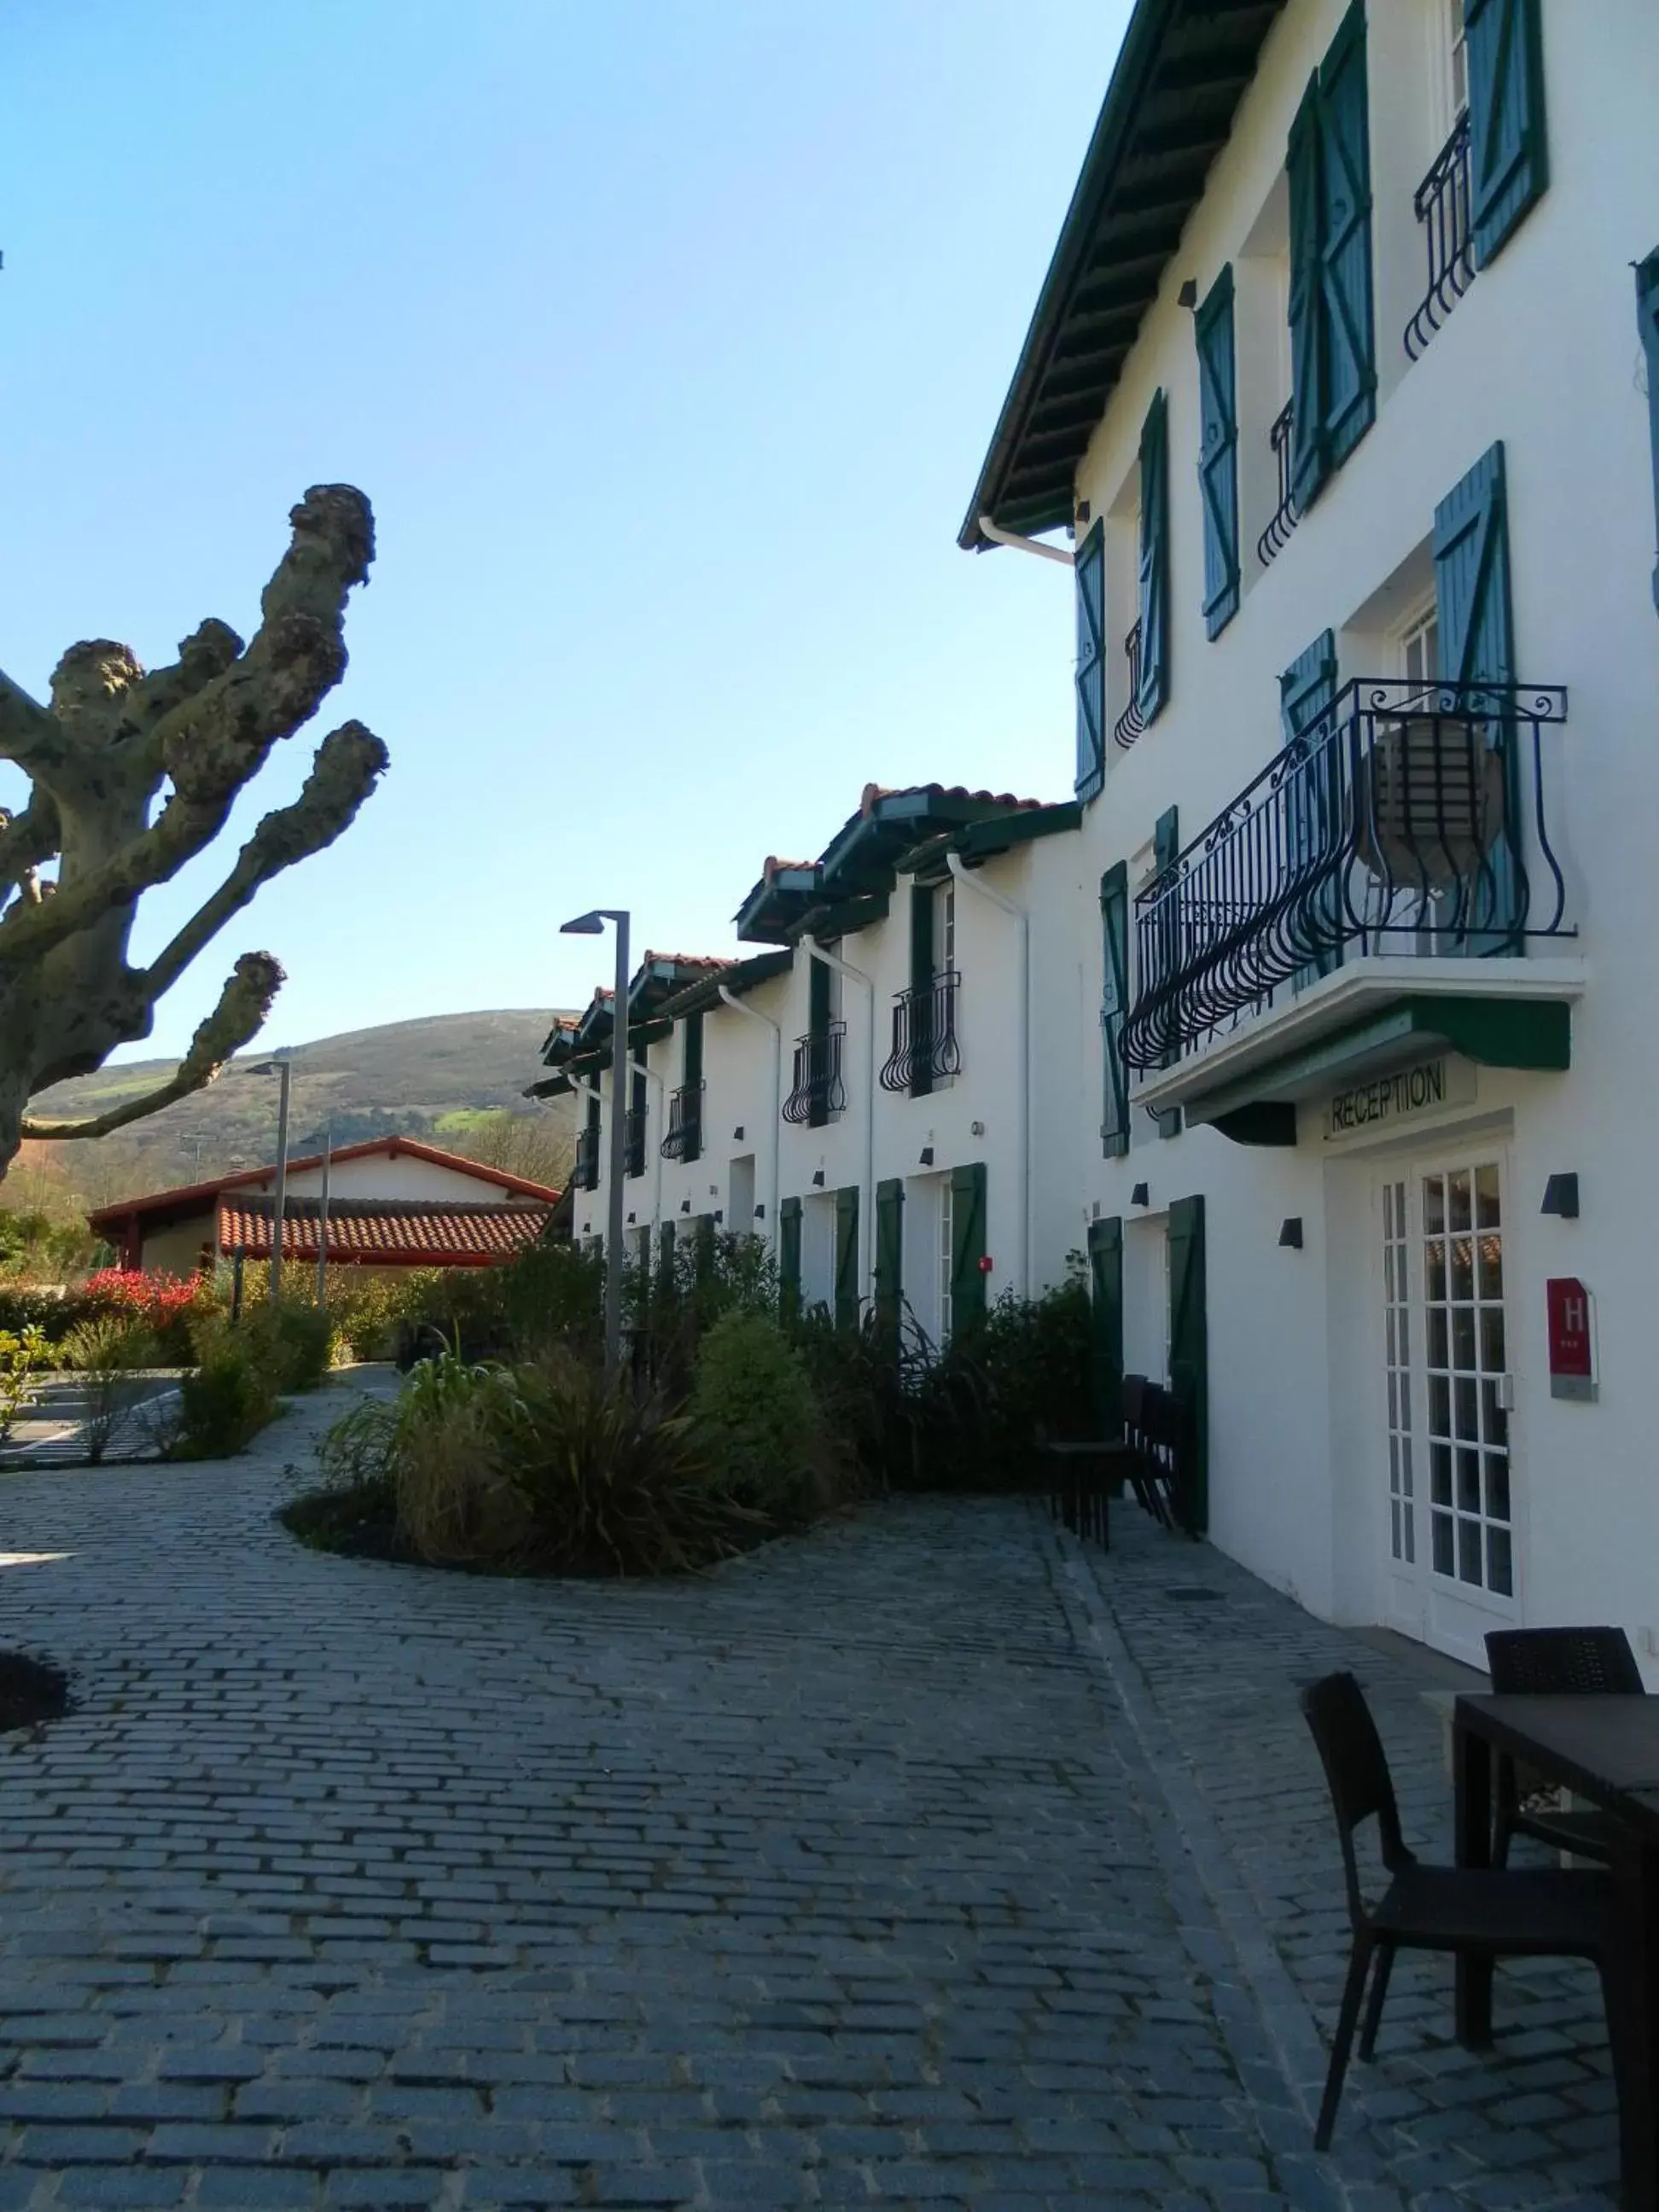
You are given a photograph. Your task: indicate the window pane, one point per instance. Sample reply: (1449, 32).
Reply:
(1438, 1345)
(1485, 1198)
(1494, 1421)
(1458, 1199)
(1463, 1337)
(1468, 1481)
(1468, 1552)
(1497, 1486)
(1434, 1205)
(1491, 1267)
(1492, 1340)
(1442, 1543)
(1440, 1473)
(1388, 1211)
(1439, 1406)
(1434, 1272)
(1394, 1401)
(1469, 1419)
(1406, 1466)
(1393, 1509)
(1410, 1518)
(1389, 1290)
(1462, 1267)
(1500, 1573)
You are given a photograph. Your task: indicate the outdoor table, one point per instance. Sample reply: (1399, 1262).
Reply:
(1606, 1749)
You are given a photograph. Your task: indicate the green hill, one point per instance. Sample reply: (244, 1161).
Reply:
(443, 1078)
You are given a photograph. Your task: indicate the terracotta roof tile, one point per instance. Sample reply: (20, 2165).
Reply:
(383, 1232)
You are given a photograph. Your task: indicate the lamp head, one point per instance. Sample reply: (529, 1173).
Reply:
(585, 925)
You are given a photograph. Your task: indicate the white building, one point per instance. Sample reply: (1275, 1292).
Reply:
(1368, 700)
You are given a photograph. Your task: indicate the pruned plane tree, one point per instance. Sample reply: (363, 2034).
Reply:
(133, 773)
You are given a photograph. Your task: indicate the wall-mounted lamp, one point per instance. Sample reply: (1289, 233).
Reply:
(1187, 295)
(630, 1220)
(1140, 1195)
(818, 1178)
(760, 1212)
(926, 1155)
(1082, 512)
(1290, 1233)
(718, 1214)
(736, 1134)
(976, 1129)
(1561, 1196)
(685, 1205)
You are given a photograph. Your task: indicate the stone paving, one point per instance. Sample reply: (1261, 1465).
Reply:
(930, 1859)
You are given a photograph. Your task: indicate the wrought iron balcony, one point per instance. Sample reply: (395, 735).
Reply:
(1442, 208)
(817, 1092)
(586, 1173)
(1408, 819)
(634, 1142)
(1277, 536)
(685, 1138)
(1131, 722)
(924, 1049)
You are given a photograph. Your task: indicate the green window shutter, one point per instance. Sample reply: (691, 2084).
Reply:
(1089, 570)
(1509, 152)
(1154, 560)
(817, 1028)
(1106, 1317)
(921, 985)
(665, 1256)
(847, 1257)
(1309, 451)
(1115, 1008)
(1306, 690)
(1477, 645)
(703, 1231)
(1217, 452)
(788, 1256)
(691, 1075)
(1189, 1351)
(645, 1261)
(1647, 316)
(967, 1245)
(889, 1251)
(1345, 201)
(1166, 851)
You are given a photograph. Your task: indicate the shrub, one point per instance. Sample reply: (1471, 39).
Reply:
(755, 1419)
(455, 1502)
(228, 1399)
(22, 1354)
(303, 1345)
(104, 1351)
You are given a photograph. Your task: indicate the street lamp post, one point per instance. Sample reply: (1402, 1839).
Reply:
(593, 925)
(279, 1066)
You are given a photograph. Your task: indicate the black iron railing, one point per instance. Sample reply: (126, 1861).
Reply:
(1131, 722)
(1277, 536)
(586, 1173)
(634, 1141)
(1408, 819)
(817, 1092)
(1443, 208)
(684, 1139)
(924, 1049)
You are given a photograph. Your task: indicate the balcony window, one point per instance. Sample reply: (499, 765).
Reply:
(1407, 819)
(586, 1173)
(817, 1092)
(924, 1049)
(684, 1139)
(634, 1142)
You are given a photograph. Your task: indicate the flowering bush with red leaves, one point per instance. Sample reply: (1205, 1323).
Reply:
(154, 1299)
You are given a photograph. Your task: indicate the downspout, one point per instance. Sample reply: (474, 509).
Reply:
(730, 999)
(837, 966)
(1024, 1050)
(651, 1076)
(998, 536)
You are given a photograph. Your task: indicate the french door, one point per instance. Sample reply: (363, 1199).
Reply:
(1452, 1548)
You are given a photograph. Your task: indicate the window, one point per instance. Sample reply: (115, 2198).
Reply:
(1458, 59)
(1420, 648)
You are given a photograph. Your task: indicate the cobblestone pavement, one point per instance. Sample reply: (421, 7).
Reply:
(927, 1860)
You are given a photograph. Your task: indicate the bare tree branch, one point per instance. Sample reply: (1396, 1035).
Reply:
(28, 732)
(347, 762)
(239, 1017)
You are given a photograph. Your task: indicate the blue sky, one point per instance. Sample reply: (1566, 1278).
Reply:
(666, 340)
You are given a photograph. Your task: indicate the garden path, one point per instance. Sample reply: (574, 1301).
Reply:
(926, 1859)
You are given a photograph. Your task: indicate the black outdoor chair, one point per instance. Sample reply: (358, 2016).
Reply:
(1556, 1663)
(1496, 1913)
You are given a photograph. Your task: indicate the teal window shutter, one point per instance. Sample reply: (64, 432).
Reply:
(1154, 560)
(889, 1252)
(691, 1076)
(703, 1245)
(1307, 691)
(1189, 1353)
(1106, 1319)
(1345, 201)
(788, 1256)
(1477, 645)
(1217, 452)
(921, 989)
(1089, 570)
(1309, 450)
(1166, 851)
(665, 1256)
(967, 1245)
(1647, 315)
(1509, 152)
(847, 1257)
(1115, 1008)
